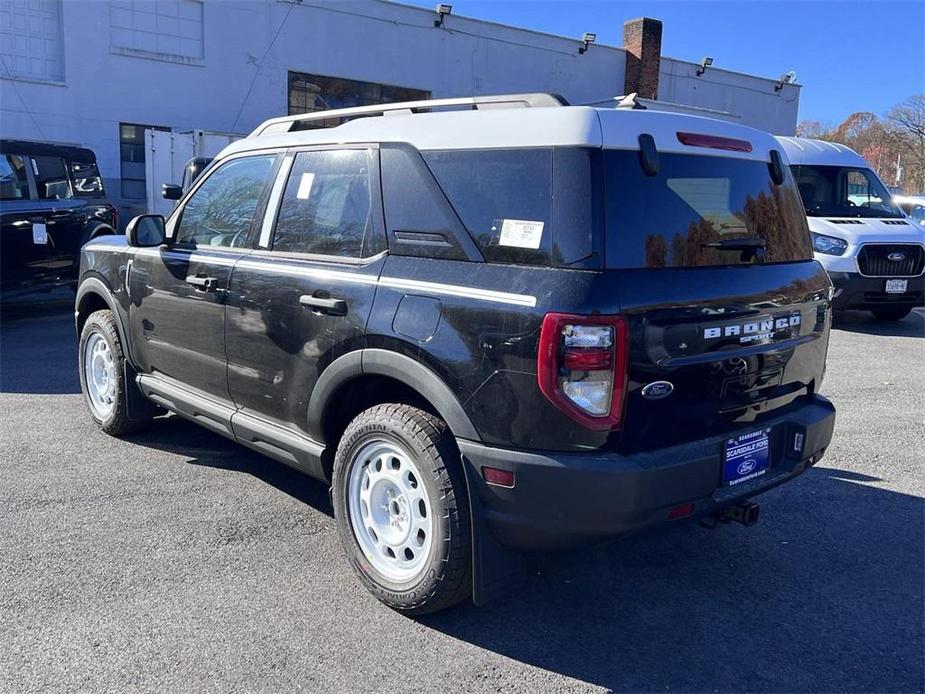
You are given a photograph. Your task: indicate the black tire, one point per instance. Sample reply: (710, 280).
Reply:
(446, 578)
(116, 422)
(892, 313)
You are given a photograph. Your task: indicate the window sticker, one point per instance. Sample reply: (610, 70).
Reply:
(39, 235)
(305, 186)
(521, 233)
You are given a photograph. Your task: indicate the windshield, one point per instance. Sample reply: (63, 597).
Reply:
(696, 205)
(841, 191)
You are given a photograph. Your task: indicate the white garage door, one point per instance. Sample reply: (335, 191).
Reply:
(31, 39)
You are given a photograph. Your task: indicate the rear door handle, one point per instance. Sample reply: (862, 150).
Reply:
(206, 284)
(332, 307)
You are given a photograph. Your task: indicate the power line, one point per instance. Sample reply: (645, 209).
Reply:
(12, 80)
(250, 89)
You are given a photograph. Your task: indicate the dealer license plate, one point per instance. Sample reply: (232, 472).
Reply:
(896, 286)
(747, 457)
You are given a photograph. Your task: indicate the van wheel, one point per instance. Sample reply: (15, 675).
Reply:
(102, 374)
(401, 508)
(891, 313)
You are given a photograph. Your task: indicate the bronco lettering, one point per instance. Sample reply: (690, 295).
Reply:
(749, 331)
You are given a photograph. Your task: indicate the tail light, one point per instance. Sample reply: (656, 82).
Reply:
(115, 219)
(714, 142)
(581, 367)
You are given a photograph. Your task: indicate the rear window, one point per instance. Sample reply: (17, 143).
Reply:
(87, 180)
(676, 218)
(524, 206)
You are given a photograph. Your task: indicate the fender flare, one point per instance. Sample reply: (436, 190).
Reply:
(94, 285)
(92, 230)
(381, 362)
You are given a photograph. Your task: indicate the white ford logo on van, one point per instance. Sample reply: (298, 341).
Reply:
(896, 257)
(746, 466)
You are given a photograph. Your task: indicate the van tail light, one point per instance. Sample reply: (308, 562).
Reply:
(115, 219)
(581, 367)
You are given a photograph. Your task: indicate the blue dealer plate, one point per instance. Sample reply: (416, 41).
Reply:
(747, 457)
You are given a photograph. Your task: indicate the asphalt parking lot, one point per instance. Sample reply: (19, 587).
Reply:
(176, 561)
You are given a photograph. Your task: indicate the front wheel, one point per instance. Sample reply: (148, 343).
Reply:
(102, 374)
(401, 508)
(891, 313)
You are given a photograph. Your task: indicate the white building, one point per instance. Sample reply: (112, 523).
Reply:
(98, 73)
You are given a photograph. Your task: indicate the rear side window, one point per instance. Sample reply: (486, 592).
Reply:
(14, 182)
(326, 207)
(87, 180)
(677, 217)
(525, 206)
(51, 180)
(221, 211)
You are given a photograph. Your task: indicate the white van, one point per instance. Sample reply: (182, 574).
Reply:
(873, 253)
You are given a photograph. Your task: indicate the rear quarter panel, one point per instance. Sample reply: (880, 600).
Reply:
(485, 349)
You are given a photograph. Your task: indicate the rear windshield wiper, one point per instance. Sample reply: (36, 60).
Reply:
(751, 248)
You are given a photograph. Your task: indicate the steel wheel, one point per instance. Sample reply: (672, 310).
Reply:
(390, 511)
(100, 374)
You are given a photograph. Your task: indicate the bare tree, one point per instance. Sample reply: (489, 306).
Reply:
(909, 116)
(815, 129)
(893, 145)
(908, 121)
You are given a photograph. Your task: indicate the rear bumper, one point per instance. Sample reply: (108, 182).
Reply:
(565, 500)
(854, 291)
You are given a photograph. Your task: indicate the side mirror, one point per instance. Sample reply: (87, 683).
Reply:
(146, 230)
(171, 191)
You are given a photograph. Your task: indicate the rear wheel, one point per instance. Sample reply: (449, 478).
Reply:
(401, 508)
(891, 313)
(102, 374)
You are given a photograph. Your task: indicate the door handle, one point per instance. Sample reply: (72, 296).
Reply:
(332, 307)
(206, 284)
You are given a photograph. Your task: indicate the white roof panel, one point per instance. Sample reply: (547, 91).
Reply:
(804, 150)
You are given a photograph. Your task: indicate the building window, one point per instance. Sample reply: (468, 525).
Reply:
(132, 154)
(308, 93)
(31, 40)
(166, 27)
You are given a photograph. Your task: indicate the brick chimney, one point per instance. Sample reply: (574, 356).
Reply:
(642, 40)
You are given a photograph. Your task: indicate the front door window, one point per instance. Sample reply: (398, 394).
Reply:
(221, 211)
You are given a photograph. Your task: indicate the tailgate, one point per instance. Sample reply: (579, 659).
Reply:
(734, 343)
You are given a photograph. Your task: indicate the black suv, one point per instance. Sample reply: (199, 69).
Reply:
(51, 203)
(495, 325)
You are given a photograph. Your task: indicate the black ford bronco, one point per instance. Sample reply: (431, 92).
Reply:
(51, 203)
(494, 325)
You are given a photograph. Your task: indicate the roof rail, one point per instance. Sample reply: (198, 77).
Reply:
(284, 124)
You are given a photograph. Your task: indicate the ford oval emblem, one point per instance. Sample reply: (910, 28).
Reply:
(746, 466)
(657, 390)
(896, 257)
